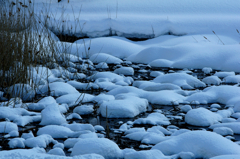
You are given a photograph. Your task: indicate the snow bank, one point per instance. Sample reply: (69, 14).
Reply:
(202, 144)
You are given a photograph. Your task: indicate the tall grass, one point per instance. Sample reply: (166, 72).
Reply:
(22, 44)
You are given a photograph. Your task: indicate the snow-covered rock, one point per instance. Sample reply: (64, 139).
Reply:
(153, 119)
(124, 107)
(212, 80)
(181, 79)
(51, 115)
(201, 117)
(235, 126)
(103, 57)
(128, 71)
(102, 146)
(202, 144)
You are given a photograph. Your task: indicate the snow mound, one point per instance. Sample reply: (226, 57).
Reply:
(40, 153)
(153, 119)
(51, 115)
(83, 109)
(147, 154)
(103, 57)
(75, 98)
(102, 146)
(202, 144)
(161, 63)
(181, 79)
(235, 126)
(7, 127)
(212, 80)
(57, 131)
(24, 91)
(40, 141)
(201, 117)
(127, 71)
(126, 107)
(61, 88)
(217, 94)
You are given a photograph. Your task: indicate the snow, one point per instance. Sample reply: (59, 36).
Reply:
(201, 117)
(123, 107)
(151, 154)
(7, 127)
(16, 143)
(103, 57)
(224, 131)
(202, 144)
(75, 98)
(235, 126)
(83, 109)
(199, 38)
(232, 79)
(57, 131)
(212, 80)
(41, 154)
(24, 91)
(51, 115)
(60, 88)
(220, 94)
(181, 79)
(40, 141)
(57, 151)
(127, 71)
(102, 146)
(153, 119)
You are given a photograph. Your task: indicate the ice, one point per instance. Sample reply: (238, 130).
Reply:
(235, 126)
(202, 117)
(102, 146)
(202, 144)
